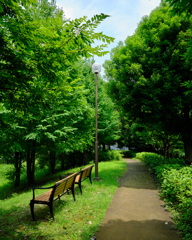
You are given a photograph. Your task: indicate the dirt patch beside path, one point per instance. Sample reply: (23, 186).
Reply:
(136, 212)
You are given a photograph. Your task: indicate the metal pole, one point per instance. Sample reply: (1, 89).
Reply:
(96, 140)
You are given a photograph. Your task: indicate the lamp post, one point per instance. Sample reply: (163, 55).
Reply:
(96, 68)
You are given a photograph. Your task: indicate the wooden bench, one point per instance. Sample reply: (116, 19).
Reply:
(83, 174)
(56, 191)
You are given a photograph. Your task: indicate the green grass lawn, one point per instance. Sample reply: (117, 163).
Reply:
(73, 220)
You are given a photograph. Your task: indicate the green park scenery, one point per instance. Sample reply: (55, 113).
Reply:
(47, 112)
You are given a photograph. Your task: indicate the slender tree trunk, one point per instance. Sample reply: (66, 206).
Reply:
(104, 147)
(33, 159)
(31, 162)
(166, 148)
(188, 148)
(84, 157)
(17, 168)
(52, 161)
(62, 161)
(187, 136)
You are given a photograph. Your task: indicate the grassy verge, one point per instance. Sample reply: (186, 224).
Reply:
(73, 220)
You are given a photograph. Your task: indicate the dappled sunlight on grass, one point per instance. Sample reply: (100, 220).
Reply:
(73, 219)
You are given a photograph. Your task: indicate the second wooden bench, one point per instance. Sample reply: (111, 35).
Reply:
(83, 174)
(56, 191)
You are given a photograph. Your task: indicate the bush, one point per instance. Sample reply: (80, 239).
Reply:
(177, 184)
(153, 160)
(110, 155)
(128, 153)
(162, 170)
(184, 218)
(176, 188)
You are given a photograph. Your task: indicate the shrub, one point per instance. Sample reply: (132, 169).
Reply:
(162, 170)
(110, 155)
(128, 153)
(153, 160)
(177, 184)
(176, 188)
(184, 218)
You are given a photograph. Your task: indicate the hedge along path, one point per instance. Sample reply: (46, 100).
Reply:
(136, 212)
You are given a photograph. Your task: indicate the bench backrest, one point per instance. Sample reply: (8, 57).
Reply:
(86, 172)
(64, 184)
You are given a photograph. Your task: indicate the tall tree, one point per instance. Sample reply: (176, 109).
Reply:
(148, 74)
(38, 47)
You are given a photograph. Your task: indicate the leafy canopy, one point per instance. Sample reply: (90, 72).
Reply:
(147, 75)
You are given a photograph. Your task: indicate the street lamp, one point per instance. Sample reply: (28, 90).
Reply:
(96, 68)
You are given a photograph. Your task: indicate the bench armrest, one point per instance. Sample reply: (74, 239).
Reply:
(40, 188)
(43, 187)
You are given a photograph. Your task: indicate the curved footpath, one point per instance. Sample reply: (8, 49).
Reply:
(136, 212)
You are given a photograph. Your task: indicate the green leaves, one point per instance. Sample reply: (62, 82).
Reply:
(149, 75)
(181, 6)
(44, 105)
(176, 190)
(5, 6)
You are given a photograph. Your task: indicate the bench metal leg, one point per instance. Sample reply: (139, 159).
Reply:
(72, 190)
(51, 209)
(80, 187)
(79, 184)
(32, 210)
(90, 179)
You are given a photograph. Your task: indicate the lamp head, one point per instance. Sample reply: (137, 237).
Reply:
(96, 68)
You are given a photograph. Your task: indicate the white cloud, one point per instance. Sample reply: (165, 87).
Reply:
(146, 6)
(76, 9)
(124, 16)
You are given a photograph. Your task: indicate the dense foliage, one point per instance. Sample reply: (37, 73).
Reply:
(148, 74)
(153, 160)
(180, 6)
(44, 107)
(128, 153)
(175, 180)
(176, 190)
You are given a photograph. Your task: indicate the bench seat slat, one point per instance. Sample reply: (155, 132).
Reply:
(44, 197)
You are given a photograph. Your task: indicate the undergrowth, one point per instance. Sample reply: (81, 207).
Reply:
(175, 180)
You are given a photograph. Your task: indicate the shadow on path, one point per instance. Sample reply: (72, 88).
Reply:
(136, 212)
(137, 230)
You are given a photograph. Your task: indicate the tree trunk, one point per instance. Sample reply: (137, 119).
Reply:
(188, 148)
(186, 135)
(17, 168)
(104, 147)
(52, 161)
(31, 162)
(166, 148)
(84, 157)
(62, 161)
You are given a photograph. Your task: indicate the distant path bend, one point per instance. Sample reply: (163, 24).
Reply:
(136, 212)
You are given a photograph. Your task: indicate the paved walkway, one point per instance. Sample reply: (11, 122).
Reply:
(136, 212)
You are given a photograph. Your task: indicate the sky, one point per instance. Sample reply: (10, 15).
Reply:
(124, 17)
